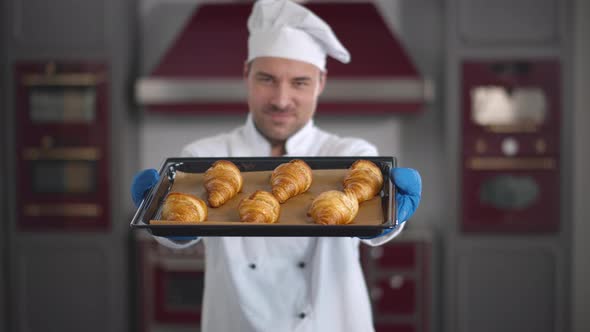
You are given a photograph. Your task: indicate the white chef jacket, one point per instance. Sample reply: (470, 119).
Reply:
(281, 283)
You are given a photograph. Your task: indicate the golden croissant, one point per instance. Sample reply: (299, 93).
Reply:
(223, 181)
(260, 207)
(290, 179)
(334, 207)
(364, 179)
(184, 207)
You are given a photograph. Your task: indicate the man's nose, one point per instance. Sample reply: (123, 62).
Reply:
(282, 96)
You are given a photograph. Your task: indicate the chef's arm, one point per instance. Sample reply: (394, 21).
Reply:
(177, 242)
(407, 197)
(141, 185)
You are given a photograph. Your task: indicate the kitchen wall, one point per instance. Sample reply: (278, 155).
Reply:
(67, 279)
(3, 191)
(580, 288)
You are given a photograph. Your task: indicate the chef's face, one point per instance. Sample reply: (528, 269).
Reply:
(282, 95)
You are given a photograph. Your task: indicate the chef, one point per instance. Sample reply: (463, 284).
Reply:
(286, 284)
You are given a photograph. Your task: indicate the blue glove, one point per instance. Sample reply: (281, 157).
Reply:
(409, 191)
(142, 183)
(407, 197)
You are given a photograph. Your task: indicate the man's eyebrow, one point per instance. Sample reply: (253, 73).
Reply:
(296, 79)
(263, 74)
(302, 78)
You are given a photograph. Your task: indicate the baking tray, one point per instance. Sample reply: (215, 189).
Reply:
(174, 169)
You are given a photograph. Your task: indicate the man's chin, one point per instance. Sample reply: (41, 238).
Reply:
(278, 130)
(278, 138)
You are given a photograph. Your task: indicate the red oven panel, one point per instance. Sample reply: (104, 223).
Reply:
(535, 206)
(62, 144)
(178, 296)
(395, 256)
(529, 145)
(169, 286)
(395, 295)
(399, 278)
(510, 146)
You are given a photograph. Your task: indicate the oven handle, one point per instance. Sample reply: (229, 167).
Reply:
(506, 163)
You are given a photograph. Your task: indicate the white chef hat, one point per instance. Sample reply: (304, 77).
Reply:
(281, 28)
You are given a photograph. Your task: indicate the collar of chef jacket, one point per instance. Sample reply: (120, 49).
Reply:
(297, 144)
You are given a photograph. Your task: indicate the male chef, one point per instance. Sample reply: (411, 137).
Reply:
(282, 283)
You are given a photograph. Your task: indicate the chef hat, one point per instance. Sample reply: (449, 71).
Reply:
(281, 28)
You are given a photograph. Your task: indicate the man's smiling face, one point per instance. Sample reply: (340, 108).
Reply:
(282, 95)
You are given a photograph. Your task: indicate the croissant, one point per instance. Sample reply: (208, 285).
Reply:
(290, 179)
(184, 207)
(364, 179)
(334, 207)
(260, 207)
(223, 180)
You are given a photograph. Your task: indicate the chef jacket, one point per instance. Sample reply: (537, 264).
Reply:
(282, 283)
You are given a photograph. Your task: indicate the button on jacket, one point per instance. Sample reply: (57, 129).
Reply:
(283, 284)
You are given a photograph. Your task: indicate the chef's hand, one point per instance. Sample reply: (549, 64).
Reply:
(407, 197)
(409, 192)
(142, 183)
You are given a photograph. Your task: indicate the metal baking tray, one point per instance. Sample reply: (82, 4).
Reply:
(150, 207)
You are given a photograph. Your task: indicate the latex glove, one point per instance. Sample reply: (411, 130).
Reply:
(409, 192)
(142, 183)
(408, 195)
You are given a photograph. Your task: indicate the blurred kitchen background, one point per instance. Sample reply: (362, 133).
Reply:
(487, 99)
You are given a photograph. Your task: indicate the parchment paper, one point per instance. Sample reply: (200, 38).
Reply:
(293, 211)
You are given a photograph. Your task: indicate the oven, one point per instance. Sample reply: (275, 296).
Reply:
(62, 137)
(510, 150)
(169, 286)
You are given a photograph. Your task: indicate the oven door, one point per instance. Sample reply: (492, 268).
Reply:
(62, 188)
(512, 200)
(169, 286)
(511, 146)
(178, 294)
(62, 146)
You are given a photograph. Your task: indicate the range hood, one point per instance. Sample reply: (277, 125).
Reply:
(202, 70)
